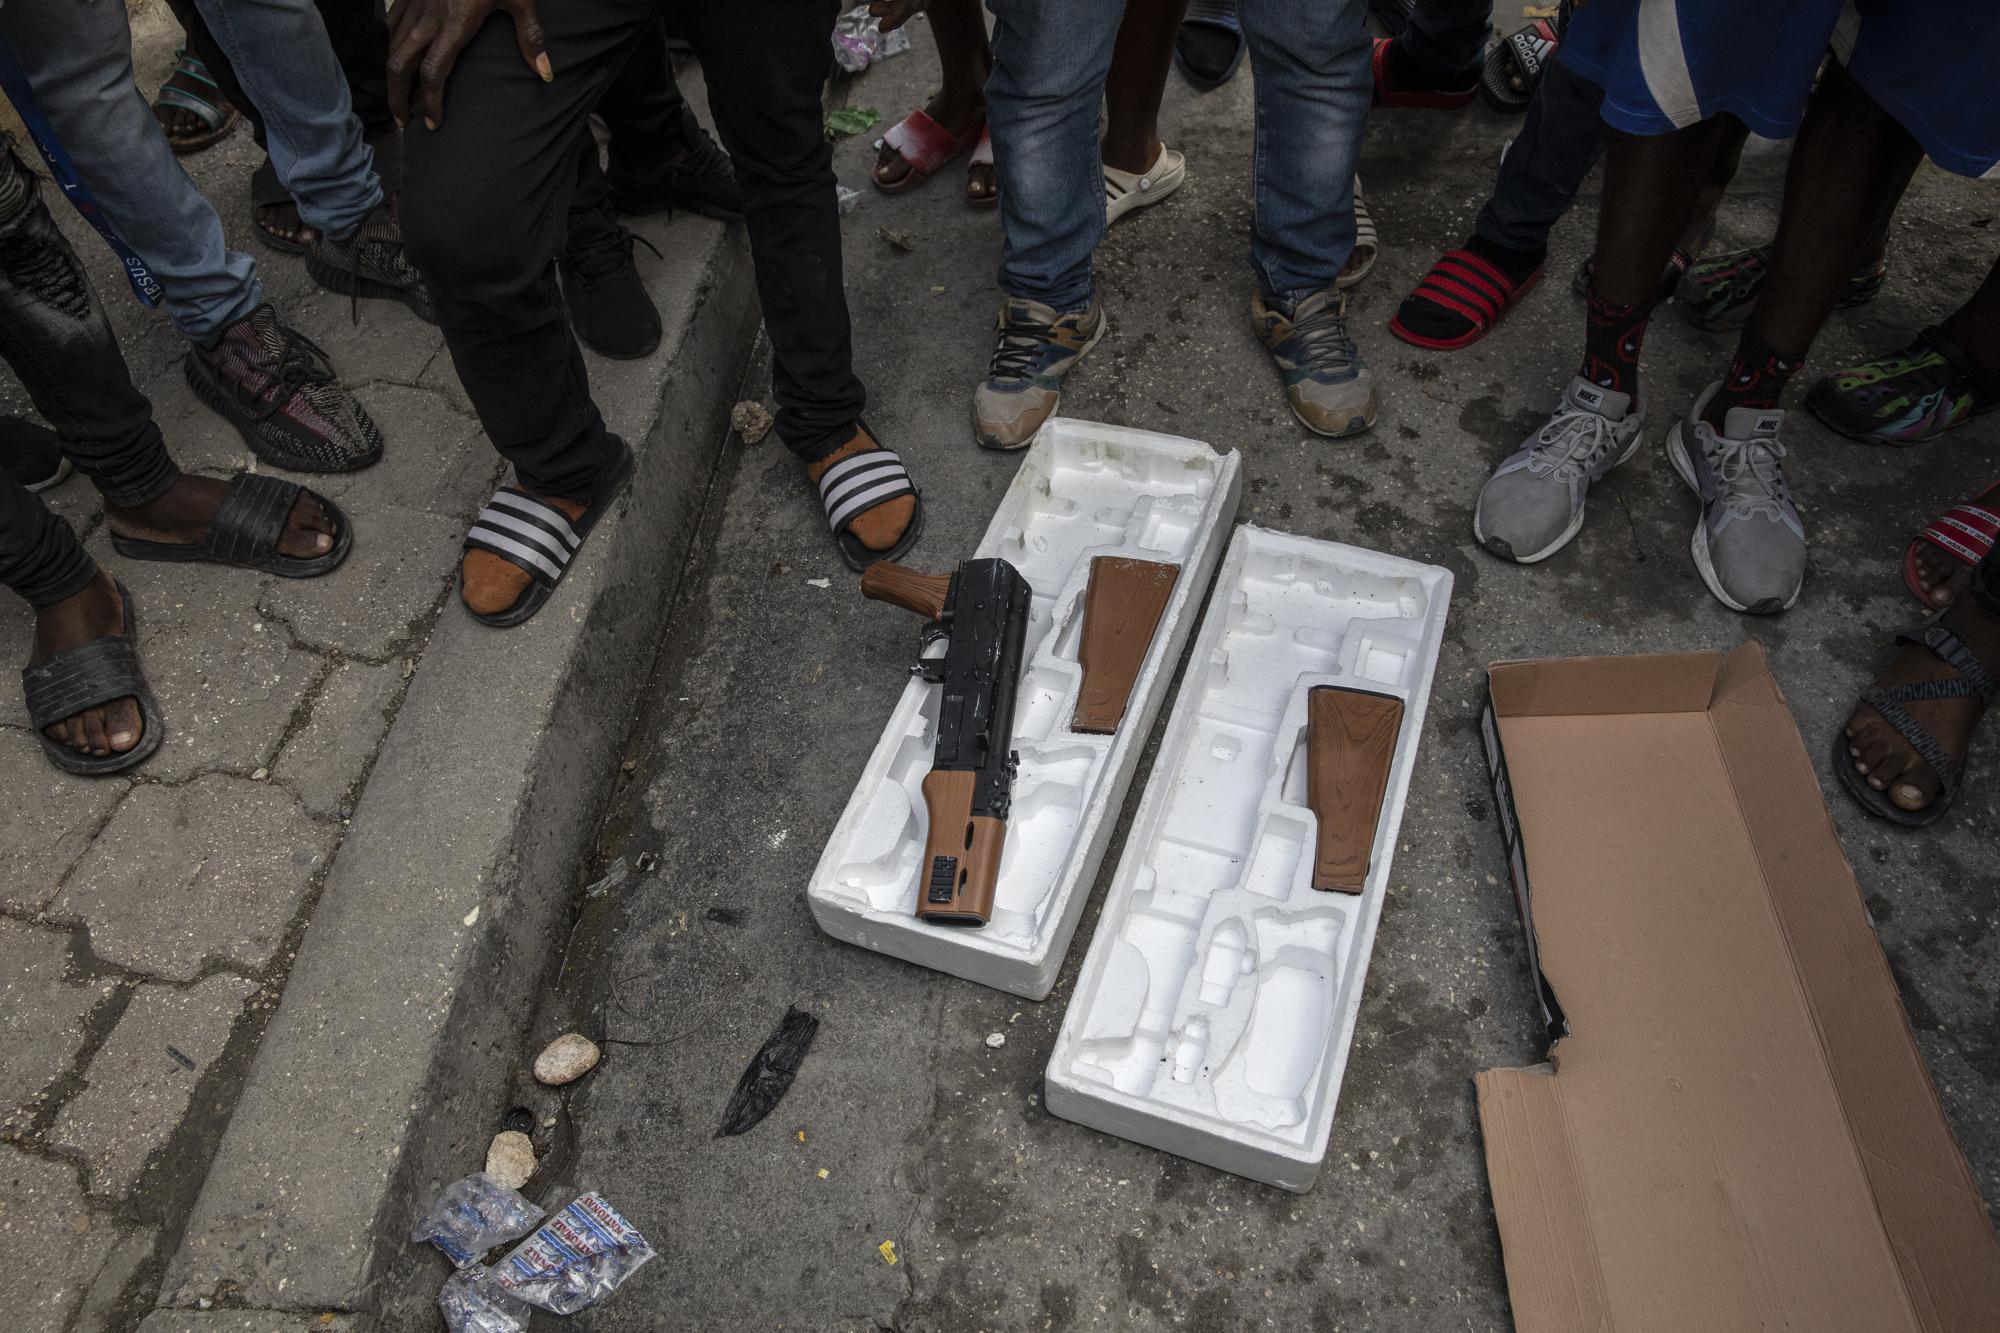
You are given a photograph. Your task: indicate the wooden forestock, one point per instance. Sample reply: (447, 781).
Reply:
(1122, 607)
(961, 856)
(926, 594)
(1350, 741)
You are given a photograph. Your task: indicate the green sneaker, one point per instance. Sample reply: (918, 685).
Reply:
(1326, 382)
(1034, 348)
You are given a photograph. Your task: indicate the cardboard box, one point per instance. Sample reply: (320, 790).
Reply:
(1736, 1129)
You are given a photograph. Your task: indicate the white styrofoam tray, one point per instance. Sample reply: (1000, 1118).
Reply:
(1083, 490)
(1215, 1009)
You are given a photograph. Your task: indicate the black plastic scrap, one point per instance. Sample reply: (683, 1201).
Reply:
(770, 1074)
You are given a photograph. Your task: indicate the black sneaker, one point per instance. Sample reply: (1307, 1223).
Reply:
(276, 386)
(31, 454)
(370, 262)
(608, 305)
(698, 179)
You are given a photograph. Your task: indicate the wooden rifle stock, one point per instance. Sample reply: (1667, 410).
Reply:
(1350, 743)
(961, 866)
(1122, 606)
(926, 594)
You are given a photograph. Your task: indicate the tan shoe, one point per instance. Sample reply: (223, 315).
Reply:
(1035, 347)
(1330, 388)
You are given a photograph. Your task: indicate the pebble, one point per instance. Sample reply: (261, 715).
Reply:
(996, 1039)
(510, 1158)
(566, 1059)
(751, 421)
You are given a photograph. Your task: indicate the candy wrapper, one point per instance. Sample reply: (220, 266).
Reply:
(473, 1302)
(473, 1215)
(576, 1258)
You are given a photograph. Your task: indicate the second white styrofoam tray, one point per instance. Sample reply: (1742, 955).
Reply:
(1215, 1009)
(1083, 490)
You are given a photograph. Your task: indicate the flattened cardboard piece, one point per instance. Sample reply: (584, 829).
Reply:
(1736, 1129)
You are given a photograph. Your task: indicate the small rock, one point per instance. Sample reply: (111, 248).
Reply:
(902, 240)
(996, 1040)
(259, 774)
(566, 1059)
(628, 766)
(751, 421)
(647, 863)
(819, 583)
(510, 1158)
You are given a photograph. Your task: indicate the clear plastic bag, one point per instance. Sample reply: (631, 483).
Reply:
(858, 40)
(576, 1258)
(473, 1302)
(472, 1216)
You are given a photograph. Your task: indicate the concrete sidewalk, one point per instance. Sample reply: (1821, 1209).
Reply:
(336, 884)
(766, 708)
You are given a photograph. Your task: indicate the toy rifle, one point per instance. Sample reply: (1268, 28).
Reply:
(982, 614)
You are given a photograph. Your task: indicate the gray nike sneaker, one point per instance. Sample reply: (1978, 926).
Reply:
(1533, 503)
(1750, 544)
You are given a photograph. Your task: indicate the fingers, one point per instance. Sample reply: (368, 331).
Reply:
(409, 37)
(528, 36)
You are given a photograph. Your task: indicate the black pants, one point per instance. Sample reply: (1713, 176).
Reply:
(485, 204)
(54, 335)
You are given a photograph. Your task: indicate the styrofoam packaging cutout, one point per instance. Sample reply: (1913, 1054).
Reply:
(1083, 490)
(1215, 1009)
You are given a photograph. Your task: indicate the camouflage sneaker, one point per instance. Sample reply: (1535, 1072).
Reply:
(1326, 382)
(1036, 347)
(370, 262)
(277, 388)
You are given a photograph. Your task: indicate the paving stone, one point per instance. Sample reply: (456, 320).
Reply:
(54, 1245)
(100, 1302)
(136, 1091)
(349, 715)
(401, 562)
(49, 820)
(41, 1015)
(437, 458)
(389, 343)
(197, 436)
(181, 875)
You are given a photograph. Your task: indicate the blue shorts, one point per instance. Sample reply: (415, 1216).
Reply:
(1666, 64)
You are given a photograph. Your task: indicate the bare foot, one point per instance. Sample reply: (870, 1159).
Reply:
(1879, 751)
(282, 222)
(182, 514)
(980, 183)
(880, 528)
(1944, 576)
(94, 613)
(179, 122)
(489, 585)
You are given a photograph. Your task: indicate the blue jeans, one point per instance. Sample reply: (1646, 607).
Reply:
(78, 55)
(1314, 83)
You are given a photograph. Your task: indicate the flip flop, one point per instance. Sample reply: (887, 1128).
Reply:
(1389, 93)
(861, 482)
(1197, 44)
(1462, 284)
(925, 146)
(245, 532)
(1965, 532)
(1527, 53)
(192, 89)
(1973, 681)
(88, 675)
(535, 536)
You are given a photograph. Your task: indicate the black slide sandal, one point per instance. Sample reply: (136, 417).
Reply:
(1974, 681)
(246, 529)
(88, 675)
(538, 539)
(1527, 52)
(861, 482)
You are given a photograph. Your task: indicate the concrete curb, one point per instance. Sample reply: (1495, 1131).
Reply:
(386, 1064)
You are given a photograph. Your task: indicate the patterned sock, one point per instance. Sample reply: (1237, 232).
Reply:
(1612, 337)
(1756, 379)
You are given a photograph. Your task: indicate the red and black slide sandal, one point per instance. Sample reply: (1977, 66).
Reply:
(1391, 93)
(1964, 532)
(1469, 293)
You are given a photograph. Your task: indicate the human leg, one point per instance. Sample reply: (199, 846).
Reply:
(659, 158)
(959, 106)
